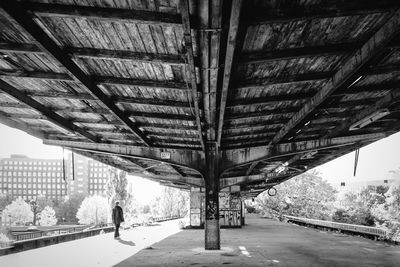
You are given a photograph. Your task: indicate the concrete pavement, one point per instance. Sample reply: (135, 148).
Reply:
(101, 250)
(264, 242)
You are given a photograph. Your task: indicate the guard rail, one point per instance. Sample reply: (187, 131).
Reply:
(372, 231)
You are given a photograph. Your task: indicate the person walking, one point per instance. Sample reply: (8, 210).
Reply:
(117, 217)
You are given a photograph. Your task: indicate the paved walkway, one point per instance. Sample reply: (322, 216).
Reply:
(101, 250)
(265, 242)
(261, 242)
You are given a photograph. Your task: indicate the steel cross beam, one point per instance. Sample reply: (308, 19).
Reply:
(17, 11)
(184, 8)
(179, 157)
(240, 157)
(228, 66)
(382, 103)
(48, 113)
(237, 180)
(359, 59)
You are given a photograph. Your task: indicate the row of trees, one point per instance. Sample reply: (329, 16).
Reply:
(19, 212)
(94, 209)
(308, 195)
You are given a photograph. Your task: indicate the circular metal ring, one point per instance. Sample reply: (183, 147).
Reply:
(272, 192)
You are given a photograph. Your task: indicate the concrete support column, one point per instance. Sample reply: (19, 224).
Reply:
(212, 231)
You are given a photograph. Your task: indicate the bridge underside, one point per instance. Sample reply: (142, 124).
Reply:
(203, 93)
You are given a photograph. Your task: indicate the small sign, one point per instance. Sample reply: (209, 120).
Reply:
(165, 155)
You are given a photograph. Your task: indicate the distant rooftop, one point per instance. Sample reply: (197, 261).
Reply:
(18, 156)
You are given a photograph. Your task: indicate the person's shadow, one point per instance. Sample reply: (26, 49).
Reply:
(129, 243)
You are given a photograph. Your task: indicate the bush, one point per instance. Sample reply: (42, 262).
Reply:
(250, 209)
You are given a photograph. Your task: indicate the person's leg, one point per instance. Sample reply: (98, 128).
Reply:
(116, 233)
(118, 230)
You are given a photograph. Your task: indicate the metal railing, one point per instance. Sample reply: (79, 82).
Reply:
(373, 231)
(57, 231)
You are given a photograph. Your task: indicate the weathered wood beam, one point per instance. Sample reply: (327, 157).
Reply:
(360, 58)
(301, 52)
(74, 120)
(48, 113)
(185, 13)
(180, 157)
(36, 75)
(169, 59)
(117, 99)
(240, 157)
(266, 123)
(380, 104)
(164, 116)
(367, 88)
(327, 10)
(57, 109)
(169, 134)
(249, 135)
(85, 52)
(168, 85)
(258, 114)
(270, 99)
(228, 66)
(304, 77)
(102, 13)
(17, 11)
(10, 122)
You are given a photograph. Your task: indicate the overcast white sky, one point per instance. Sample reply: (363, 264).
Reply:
(375, 160)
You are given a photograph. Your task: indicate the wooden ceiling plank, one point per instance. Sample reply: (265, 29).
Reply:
(334, 9)
(17, 11)
(359, 59)
(102, 13)
(86, 52)
(48, 113)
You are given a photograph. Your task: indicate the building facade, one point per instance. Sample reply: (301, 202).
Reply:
(28, 178)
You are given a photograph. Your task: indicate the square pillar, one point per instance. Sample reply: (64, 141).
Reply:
(212, 228)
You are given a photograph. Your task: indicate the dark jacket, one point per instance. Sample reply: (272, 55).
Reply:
(117, 215)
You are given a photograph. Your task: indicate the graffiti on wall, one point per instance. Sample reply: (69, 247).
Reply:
(211, 210)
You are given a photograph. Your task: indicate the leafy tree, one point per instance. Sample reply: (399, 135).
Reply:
(38, 204)
(173, 202)
(19, 212)
(146, 209)
(355, 207)
(5, 199)
(47, 217)
(116, 187)
(306, 195)
(66, 211)
(93, 210)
